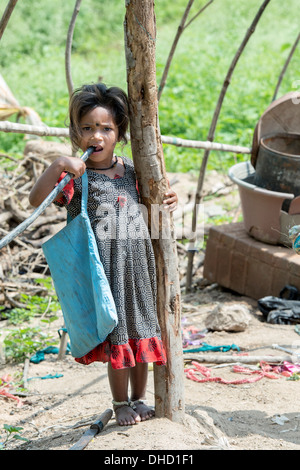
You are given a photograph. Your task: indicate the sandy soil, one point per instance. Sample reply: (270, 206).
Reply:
(259, 415)
(249, 416)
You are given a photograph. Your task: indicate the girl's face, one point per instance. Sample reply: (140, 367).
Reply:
(99, 130)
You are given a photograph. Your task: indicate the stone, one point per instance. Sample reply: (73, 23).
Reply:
(231, 317)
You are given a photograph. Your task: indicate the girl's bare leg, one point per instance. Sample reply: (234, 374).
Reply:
(119, 379)
(138, 381)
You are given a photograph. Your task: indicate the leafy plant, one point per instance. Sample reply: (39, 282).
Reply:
(295, 376)
(35, 305)
(24, 342)
(11, 432)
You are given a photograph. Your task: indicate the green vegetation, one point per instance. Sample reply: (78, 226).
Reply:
(23, 342)
(32, 63)
(11, 432)
(35, 306)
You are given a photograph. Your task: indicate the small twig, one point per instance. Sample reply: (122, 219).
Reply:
(19, 242)
(47, 308)
(9, 157)
(31, 156)
(23, 286)
(13, 302)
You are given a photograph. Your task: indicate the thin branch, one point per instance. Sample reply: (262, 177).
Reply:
(172, 51)
(7, 126)
(69, 47)
(210, 138)
(180, 30)
(5, 155)
(6, 15)
(286, 66)
(197, 14)
(198, 144)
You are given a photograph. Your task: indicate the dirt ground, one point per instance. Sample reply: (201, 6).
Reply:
(248, 416)
(252, 415)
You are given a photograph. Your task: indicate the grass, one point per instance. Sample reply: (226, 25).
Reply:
(32, 63)
(197, 76)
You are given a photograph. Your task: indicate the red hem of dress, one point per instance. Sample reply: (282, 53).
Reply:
(126, 355)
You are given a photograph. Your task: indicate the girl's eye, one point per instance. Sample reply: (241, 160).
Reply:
(86, 129)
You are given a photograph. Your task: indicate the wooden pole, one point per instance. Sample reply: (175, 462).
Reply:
(140, 44)
(6, 15)
(286, 64)
(235, 359)
(7, 126)
(69, 47)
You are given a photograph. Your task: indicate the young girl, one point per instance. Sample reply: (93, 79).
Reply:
(99, 118)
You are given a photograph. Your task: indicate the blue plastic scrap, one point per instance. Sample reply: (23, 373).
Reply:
(49, 376)
(40, 355)
(207, 347)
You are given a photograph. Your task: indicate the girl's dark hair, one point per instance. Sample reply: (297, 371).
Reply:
(88, 97)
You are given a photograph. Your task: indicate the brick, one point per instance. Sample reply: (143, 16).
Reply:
(247, 266)
(259, 278)
(238, 272)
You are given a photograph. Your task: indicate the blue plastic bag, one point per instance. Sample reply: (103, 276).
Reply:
(80, 282)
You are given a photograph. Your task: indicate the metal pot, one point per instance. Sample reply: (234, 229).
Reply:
(278, 163)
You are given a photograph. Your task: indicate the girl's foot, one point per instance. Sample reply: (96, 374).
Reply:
(144, 411)
(125, 414)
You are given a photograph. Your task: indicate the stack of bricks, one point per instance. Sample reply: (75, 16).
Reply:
(247, 266)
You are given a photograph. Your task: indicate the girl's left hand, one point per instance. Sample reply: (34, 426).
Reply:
(171, 200)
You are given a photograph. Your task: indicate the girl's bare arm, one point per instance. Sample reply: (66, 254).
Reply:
(47, 181)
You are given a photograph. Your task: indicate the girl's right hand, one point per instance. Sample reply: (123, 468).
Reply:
(47, 181)
(73, 165)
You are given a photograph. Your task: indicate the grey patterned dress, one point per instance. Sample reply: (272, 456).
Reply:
(127, 256)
